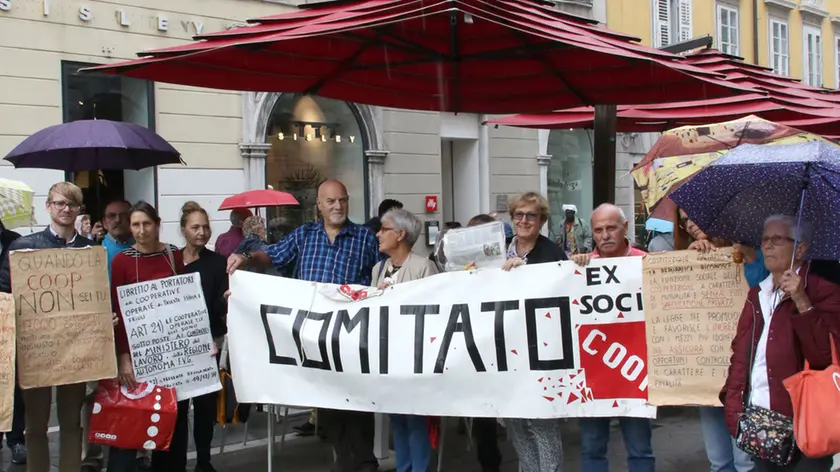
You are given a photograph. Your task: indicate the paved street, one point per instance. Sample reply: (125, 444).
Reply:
(677, 441)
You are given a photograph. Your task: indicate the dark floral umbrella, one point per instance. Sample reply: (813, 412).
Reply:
(733, 196)
(93, 144)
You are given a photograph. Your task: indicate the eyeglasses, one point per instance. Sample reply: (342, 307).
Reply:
(62, 204)
(775, 240)
(530, 216)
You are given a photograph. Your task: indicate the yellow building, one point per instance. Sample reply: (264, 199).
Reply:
(800, 38)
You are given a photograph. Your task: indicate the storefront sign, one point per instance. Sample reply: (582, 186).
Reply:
(86, 14)
(168, 329)
(64, 330)
(542, 341)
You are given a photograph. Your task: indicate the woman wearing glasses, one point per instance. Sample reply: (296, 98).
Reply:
(537, 441)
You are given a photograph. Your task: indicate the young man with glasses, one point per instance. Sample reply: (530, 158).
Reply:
(64, 203)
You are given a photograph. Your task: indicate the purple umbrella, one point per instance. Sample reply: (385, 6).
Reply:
(93, 144)
(732, 197)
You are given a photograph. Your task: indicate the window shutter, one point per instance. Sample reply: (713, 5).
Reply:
(685, 20)
(662, 23)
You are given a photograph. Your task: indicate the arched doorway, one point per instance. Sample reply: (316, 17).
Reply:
(313, 139)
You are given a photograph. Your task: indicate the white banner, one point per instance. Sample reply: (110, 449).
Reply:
(541, 341)
(168, 330)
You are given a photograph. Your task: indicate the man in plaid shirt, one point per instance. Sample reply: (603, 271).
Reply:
(335, 251)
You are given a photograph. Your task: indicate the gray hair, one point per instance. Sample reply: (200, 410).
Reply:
(622, 217)
(404, 220)
(800, 232)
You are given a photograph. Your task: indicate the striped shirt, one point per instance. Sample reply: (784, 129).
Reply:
(347, 260)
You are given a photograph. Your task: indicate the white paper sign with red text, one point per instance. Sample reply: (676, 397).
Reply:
(541, 341)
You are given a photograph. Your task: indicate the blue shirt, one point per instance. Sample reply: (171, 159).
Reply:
(112, 248)
(348, 260)
(755, 271)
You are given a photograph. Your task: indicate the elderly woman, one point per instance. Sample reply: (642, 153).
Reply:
(397, 235)
(253, 229)
(786, 321)
(537, 441)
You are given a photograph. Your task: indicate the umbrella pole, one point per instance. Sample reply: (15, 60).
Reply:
(799, 213)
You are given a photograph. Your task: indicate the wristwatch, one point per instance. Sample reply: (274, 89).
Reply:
(247, 255)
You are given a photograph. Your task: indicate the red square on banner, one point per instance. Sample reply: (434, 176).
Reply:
(431, 203)
(614, 359)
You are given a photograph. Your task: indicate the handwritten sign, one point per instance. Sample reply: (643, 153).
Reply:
(64, 329)
(168, 330)
(7, 360)
(692, 303)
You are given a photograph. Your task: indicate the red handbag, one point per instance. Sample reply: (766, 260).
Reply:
(141, 419)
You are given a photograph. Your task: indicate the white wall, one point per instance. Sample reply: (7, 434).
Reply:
(208, 187)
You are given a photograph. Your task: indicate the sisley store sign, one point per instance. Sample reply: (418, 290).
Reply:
(123, 17)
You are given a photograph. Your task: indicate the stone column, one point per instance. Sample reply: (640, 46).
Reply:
(253, 156)
(376, 177)
(543, 161)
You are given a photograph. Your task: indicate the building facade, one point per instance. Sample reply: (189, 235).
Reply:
(231, 141)
(799, 38)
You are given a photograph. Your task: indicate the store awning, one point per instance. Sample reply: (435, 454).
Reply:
(787, 101)
(447, 55)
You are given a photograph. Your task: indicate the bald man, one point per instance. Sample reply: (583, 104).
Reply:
(609, 230)
(336, 251)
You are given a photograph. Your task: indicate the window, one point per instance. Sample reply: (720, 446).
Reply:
(837, 62)
(779, 47)
(671, 22)
(812, 56)
(313, 139)
(108, 97)
(727, 26)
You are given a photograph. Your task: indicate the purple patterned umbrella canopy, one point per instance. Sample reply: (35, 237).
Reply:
(91, 145)
(732, 197)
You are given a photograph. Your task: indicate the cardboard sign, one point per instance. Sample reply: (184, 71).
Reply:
(692, 302)
(541, 341)
(7, 360)
(64, 330)
(168, 329)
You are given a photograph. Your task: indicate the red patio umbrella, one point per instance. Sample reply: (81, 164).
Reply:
(258, 199)
(787, 102)
(484, 56)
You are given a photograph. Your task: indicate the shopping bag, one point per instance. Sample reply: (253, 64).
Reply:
(815, 395)
(141, 419)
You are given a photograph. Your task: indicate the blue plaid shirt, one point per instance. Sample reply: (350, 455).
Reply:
(348, 260)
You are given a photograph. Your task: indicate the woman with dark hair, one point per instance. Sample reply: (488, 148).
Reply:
(147, 259)
(195, 227)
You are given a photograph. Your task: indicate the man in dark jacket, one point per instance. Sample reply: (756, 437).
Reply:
(64, 203)
(14, 438)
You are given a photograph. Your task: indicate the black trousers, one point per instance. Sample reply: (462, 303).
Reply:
(351, 435)
(15, 436)
(204, 419)
(485, 434)
(800, 464)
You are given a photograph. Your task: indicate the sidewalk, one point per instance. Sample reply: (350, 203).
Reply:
(678, 444)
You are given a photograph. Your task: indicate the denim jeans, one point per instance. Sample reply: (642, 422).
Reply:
(595, 436)
(411, 443)
(723, 454)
